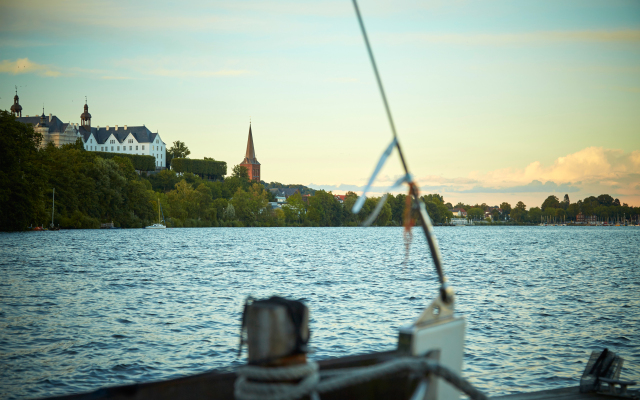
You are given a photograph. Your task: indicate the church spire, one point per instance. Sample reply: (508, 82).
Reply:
(250, 161)
(251, 152)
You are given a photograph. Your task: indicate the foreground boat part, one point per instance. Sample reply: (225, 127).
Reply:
(604, 367)
(438, 335)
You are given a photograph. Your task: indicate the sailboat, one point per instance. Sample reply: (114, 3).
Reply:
(160, 224)
(53, 204)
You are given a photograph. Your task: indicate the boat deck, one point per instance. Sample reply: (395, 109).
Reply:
(570, 393)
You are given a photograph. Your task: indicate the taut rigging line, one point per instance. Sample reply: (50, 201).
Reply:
(445, 292)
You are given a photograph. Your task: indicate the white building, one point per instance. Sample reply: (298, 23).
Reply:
(125, 139)
(51, 128)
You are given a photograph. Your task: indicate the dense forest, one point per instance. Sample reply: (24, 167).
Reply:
(91, 189)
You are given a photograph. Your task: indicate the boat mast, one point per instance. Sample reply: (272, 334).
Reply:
(159, 220)
(53, 205)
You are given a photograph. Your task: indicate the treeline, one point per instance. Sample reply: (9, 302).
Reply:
(603, 207)
(207, 168)
(91, 189)
(139, 162)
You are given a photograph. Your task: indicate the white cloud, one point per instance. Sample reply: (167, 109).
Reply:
(590, 171)
(25, 66)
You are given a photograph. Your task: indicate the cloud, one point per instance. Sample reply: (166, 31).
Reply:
(197, 74)
(590, 171)
(533, 187)
(541, 37)
(25, 66)
(588, 165)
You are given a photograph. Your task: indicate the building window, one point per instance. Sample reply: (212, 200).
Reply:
(142, 147)
(111, 148)
(130, 147)
(136, 147)
(118, 148)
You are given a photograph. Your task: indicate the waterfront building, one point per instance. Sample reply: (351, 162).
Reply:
(250, 161)
(126, 139)
(52, 129)
(282, 194)
(459, 212)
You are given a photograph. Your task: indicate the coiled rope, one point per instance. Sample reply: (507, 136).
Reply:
(256, 382)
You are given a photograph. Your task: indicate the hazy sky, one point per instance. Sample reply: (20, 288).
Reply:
(494, 100)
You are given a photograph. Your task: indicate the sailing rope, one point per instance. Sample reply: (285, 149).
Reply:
(258, 382)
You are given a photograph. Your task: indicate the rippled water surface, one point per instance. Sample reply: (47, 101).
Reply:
(84, 309)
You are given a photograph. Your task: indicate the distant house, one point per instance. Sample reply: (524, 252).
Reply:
(126, 140)
(282, 194)
(459, 212)
(339, 197)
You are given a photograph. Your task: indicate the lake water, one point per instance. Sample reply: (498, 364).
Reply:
(84, 309)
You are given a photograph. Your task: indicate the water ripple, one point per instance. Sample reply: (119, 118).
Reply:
(84, 309)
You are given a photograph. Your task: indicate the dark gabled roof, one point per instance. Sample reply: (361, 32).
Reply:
(286, 192)
(54, 126)
(141, 133)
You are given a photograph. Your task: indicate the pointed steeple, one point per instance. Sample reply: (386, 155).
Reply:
(250, 161)
(250, 156)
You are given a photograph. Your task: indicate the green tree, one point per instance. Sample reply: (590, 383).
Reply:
(519, 212)
(179, 150)
(534, 215)
(294, 210)
(22, 179)
(475, 213)
(551, 201)
(506, 209)
(324, 209)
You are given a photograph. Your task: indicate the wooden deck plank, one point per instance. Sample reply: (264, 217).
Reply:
(570, 393)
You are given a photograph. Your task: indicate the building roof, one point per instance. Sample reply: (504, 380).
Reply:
(286, 192)
(55, 125)
(250, 155)
(141, 133)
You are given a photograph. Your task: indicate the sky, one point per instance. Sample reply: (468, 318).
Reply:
(493, 100)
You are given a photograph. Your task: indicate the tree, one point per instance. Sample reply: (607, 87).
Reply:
(506, 209)
(566, 199)
(551, 201)
(240, 171)
(534, 214)
(294, 210)
(475, 213)
(22, 179)
(519, 212)
(179, 150)
(606, 200)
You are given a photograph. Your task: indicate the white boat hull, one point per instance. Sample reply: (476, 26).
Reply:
(156, 226)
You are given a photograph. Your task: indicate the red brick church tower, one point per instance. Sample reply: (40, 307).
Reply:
(250, 162)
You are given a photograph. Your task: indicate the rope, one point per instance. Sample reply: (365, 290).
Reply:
(335, 379)
(248, 390)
